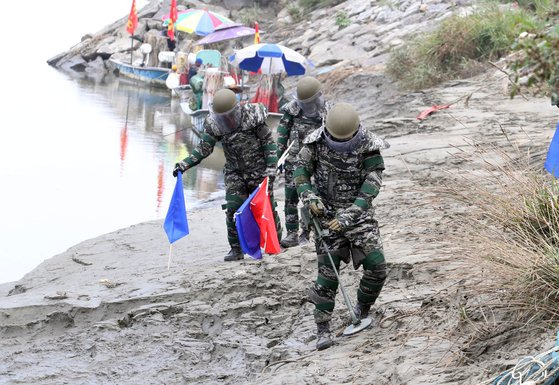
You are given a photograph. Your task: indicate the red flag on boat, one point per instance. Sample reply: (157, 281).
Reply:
(132, 19)
(256, 33)
(261, 208)
(173, 15)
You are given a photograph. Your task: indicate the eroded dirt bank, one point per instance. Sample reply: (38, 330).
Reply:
(108, 311)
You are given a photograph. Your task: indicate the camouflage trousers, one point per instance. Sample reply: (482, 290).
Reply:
(238, 186)
(363, 246)
(292, 222)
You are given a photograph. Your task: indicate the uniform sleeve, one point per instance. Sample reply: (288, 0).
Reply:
(204, 148)
(304, 168)
(373, 165)
(284, 130)
(264, 133)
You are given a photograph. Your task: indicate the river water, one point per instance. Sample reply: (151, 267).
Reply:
(79, 159)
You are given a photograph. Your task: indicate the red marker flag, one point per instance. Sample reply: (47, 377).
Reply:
(173, 15)
(261, 208)
(132, 19)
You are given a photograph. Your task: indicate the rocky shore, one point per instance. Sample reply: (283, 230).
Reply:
(108, 311)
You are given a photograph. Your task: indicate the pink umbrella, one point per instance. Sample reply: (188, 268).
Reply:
(227, 32)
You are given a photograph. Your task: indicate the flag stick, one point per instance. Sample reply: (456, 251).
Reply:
(285, 154)
(131, 48)
(170, 251)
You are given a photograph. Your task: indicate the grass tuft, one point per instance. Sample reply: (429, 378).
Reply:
(448, 52)
(510, 228)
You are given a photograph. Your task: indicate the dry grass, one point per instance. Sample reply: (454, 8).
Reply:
(510, 229)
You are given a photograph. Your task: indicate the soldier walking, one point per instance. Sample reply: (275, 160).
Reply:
(344, 161)
(300, 117)
(250, 155)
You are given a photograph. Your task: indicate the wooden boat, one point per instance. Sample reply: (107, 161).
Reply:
(152, 76)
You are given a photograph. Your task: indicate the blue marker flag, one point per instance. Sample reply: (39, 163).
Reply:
(176, 224)
(552, 161)
(247, 228)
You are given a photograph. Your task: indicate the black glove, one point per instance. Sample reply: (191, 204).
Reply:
(280, 168)
(180, 167)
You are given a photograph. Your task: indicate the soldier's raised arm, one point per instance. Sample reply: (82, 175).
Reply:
(203, 150)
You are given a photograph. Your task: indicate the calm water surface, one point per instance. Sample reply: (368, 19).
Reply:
(80, 159)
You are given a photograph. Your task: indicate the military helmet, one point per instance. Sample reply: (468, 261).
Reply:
(224, 100)
(307, 87)
(342, 121)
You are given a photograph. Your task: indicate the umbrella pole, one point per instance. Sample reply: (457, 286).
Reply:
(131, 48)
(242, 85)
(169, 261)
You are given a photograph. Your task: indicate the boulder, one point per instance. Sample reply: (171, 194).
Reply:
(357, 7)
(117, 45)
(327, 53)
(96, 67)
(74, 64)
(349, 30)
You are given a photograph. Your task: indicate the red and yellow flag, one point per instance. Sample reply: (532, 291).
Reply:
(132, 19)
(256, 33)
(173, 15)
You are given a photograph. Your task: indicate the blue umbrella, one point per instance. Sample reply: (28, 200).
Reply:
(269, 59)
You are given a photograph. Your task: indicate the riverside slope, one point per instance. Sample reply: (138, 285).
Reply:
(107, 310)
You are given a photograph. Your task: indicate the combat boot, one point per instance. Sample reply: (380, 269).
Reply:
(234, 254)
(290, 240)
(361, 310)
(324, 339)
(304, 238)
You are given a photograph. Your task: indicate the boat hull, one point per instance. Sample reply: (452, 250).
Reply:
(151, 76)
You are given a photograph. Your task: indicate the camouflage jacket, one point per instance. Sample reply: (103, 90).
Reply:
(251, 148)
(294, 127)
(347, 182)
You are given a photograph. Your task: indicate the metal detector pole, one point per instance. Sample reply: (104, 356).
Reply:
(320, 234)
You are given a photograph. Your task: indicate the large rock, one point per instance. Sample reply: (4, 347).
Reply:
(327, 53)
(350, 30)
(117, 45)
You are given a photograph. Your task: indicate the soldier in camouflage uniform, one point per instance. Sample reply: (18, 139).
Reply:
(300, 117)
(344, 160)
(250, 155)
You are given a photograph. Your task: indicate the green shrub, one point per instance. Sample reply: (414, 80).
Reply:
(543, 8)
(248, 16)
(444, 53)
(342, 20)
(295, 12)
(312, 4)
(539, 57)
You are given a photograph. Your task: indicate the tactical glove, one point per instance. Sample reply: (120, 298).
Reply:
(180, 167)
(335, 225)
(344, 218)
(315, 205)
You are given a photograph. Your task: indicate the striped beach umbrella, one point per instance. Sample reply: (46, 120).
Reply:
(270, 59)
(198, 21)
